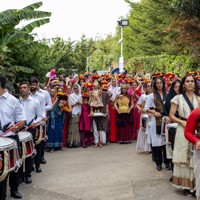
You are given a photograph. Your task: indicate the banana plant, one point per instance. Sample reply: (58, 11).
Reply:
(14, 39)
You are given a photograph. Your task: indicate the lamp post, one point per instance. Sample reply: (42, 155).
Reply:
(122, 23)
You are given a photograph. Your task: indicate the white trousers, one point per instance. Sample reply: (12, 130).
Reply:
(98, 135)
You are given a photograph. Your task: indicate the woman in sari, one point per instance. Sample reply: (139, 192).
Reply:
(136, 93)
(184, 103)
(114, 90)
(75, 102)
(55, 124)
(124, 121)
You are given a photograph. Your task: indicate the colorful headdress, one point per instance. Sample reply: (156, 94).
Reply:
(122, 75)
(62, 95)
(96, 76)
(104, 82)
(81, 76)
(158, 74)
(104, 87)
(85, 95)
(169, 76)
(128, 80)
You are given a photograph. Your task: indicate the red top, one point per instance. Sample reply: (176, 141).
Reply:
(191, 126)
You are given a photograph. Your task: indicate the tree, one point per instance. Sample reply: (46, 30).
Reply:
(14, 40)
(187, 23)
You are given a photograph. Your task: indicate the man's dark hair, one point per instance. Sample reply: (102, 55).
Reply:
(2, 81)
(8, 87)
(24, 82)
(33, 80)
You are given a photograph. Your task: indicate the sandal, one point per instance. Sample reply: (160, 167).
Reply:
(187, 193)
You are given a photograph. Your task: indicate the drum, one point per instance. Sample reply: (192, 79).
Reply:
(171, 127)
(41, 133)
(144, 121)
(9, 157)
(26, 141)
(98, 114)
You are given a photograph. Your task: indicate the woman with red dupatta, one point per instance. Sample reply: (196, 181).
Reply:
(135, 91)
(114, 90)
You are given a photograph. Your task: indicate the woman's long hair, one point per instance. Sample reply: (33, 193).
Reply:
(155, 89)
(182, 89)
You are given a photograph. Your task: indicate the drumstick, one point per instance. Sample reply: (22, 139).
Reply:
(10, 129)
(37, 123)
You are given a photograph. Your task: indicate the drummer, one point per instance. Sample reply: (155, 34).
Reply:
(11, 112)
(40, 98)
(33, 116)
(48, 107)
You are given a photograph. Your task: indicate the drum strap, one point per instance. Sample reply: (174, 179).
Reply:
(183, 118)
(6, 127)
(6, 163)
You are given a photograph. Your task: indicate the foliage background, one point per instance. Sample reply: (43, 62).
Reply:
(163, 35)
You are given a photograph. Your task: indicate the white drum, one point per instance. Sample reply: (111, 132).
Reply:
(9, 157)
(27, 144)
(172, 125)
(98, 114)
(41, 133)
(171, 133)
(144, 121)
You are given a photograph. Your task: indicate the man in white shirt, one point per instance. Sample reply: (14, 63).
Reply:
(41, 99)
(33, 116)
(11, 112)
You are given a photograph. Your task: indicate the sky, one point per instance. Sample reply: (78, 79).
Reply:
(72, 18)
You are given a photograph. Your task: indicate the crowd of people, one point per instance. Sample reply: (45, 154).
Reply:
(92, 110)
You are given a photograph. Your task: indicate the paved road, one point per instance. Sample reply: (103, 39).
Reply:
(114, 172)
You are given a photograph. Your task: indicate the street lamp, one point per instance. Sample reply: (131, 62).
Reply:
(122, 23)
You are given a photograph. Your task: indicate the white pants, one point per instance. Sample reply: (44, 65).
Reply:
(98, 135)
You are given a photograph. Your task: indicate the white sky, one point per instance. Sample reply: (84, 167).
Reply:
(72, 18)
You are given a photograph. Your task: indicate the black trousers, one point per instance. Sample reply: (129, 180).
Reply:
(159, 155)
(13, 179)
(38, 147)
(43, 144)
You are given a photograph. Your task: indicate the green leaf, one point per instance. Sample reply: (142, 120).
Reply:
(29, 28)
(23, 69)
(32, 6)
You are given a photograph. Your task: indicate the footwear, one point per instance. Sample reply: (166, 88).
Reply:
(159, 168)
(27, 180)
(167, 166)
(187, 193)
(38, 170)
(21, 179)
(51, 151)
(43, 161)
(33, 168)
(15, 194)
(171, 179)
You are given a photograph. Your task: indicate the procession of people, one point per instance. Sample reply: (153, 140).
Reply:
(90, 111)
